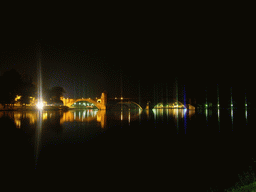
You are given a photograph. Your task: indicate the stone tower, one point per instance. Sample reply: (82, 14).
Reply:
(104, 99)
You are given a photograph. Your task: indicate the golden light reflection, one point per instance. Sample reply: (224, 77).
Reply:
(129, 117)
(147, 112)
(85, 116)
(17, 122)
(18, 116)
(175, 113)
(45, 115)
(69, 116)
(101, 117)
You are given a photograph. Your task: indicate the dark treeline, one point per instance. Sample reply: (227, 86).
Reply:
(52, 95)
(12, 84)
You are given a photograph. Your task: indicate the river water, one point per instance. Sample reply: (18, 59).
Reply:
(174, 147)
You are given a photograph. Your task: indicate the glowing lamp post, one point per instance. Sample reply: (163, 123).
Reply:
(40, 105)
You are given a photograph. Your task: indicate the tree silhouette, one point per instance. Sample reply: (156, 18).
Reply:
(12, 84)
(28, 89)
(56, 93)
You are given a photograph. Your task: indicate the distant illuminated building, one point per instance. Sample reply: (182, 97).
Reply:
(171, 105)
(18, 97)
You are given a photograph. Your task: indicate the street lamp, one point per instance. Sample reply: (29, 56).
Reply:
(40, 105)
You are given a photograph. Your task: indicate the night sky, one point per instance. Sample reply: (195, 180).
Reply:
(143, 47)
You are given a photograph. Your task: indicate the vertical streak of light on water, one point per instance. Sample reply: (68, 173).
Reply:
(177, 119)
(206, 114)
(140, 112)
(40, 115)
(218, 105)
(246, 115)
(245, 103)
(129, 117)
(167, 115)
(162, 115)
(219, 118)
(177, 99)
(232, 118)
(154, 112)
(38, 135)
(185, 119)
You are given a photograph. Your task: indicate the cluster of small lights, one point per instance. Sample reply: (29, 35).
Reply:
(120, 98)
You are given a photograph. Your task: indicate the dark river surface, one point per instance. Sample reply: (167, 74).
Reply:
(145, 148)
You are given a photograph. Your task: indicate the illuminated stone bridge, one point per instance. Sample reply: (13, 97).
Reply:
(99, 103)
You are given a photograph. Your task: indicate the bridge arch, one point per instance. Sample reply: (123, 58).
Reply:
(99, 103)
(128, 103)
(136, 104)
(95, 103)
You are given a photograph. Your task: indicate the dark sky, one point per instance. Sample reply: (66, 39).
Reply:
(145, 47)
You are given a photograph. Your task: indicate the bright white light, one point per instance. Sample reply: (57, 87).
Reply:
(40, 105)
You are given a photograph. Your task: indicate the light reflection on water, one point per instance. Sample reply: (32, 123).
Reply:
(220, 118)
(79, 126)
(81, 123)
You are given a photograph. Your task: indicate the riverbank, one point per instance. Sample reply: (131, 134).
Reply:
(33, 108)
(247, 183)
(251, 187)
